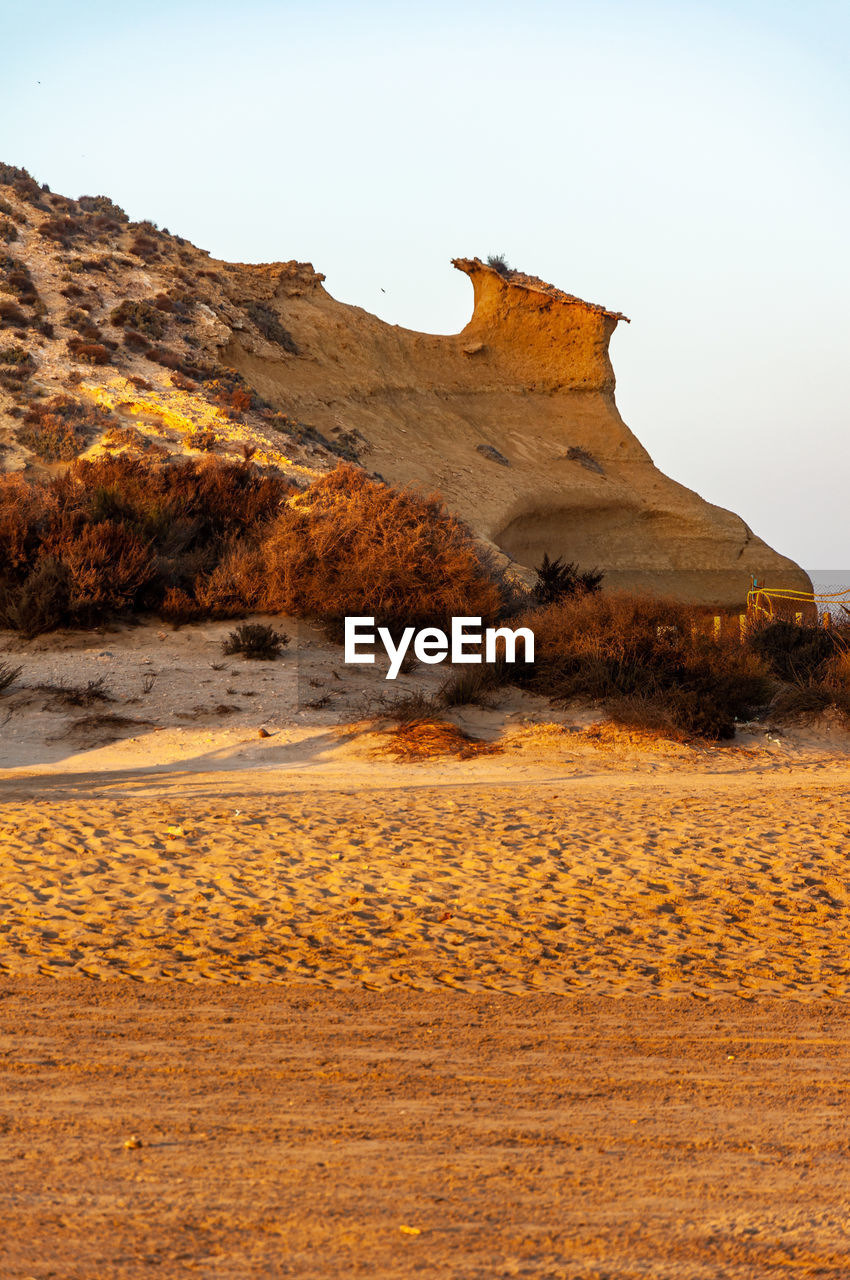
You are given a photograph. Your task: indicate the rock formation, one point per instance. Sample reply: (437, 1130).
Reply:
(513, 420)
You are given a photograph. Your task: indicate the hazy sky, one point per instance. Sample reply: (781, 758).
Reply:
(683, 162)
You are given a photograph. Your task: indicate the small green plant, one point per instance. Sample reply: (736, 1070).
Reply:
(256, 640)
(556, 580)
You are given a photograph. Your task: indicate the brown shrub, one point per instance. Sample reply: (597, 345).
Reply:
(144, 247)
(64, 230)
(202, 538)
(649, 661)
(8, 231)
(11, 316)
(58, 429)
(89, 352)
(354, 546)
(201, 439)
(168, 359)
(144, 317)
(135, 341)
(108, 563)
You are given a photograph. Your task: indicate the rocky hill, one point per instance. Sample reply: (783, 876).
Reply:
(120, 336)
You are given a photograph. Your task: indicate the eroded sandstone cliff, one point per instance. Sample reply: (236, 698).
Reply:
(514, 421)
(120, 336)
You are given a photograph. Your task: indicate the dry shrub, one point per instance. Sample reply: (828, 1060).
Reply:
(813, 663)
(89, 352)
(203, 439)
(8, 231)
(109, 565)
(270, 327)
(121, 533)
(41, 602)
(8, 675)
(256, 640)
(63, 230)
(11, 316)
(204, 538)
(61, 428)
(796, 653)
(353, 546)
(144, 247)
(143, 317)
(649, 661)
(430, 739)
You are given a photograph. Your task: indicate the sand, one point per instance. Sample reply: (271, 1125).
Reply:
(690, 884)
(576, 1008)
(295, 1131)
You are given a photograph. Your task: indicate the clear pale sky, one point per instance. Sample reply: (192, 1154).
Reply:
(683, 162)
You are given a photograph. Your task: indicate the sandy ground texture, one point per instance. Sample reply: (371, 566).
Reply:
(301, 1132)
(575, 1008)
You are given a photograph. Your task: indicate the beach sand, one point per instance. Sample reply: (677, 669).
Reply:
(576, 1008)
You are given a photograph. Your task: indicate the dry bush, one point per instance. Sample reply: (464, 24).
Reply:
(8, 231)
(647, 660)
(11, 316)
(203, 439)
(109, 566)
(270, 326)
(144, 247)
(8, 675)
(473, 685)
(430, 739)
(89, 352)
(63, 230)
(143, 317)
(796, 653)
(60, 428)
(17, 366)
(257, 641)
(17, 280)
(204, 538)
(813, 662)
(354, 546)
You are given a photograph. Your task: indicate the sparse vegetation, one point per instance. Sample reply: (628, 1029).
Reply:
(202, 439)
(89, 352)
(256, 640)
(142, 317)
(556, 580)
(60, 428)
(651, 662)
(499, 263)
(270, 326)
(8, 675)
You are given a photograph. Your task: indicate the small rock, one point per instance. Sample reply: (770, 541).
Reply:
(263, 733)
(133, 1142)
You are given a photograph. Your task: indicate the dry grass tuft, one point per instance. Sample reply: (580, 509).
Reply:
(431, 739)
